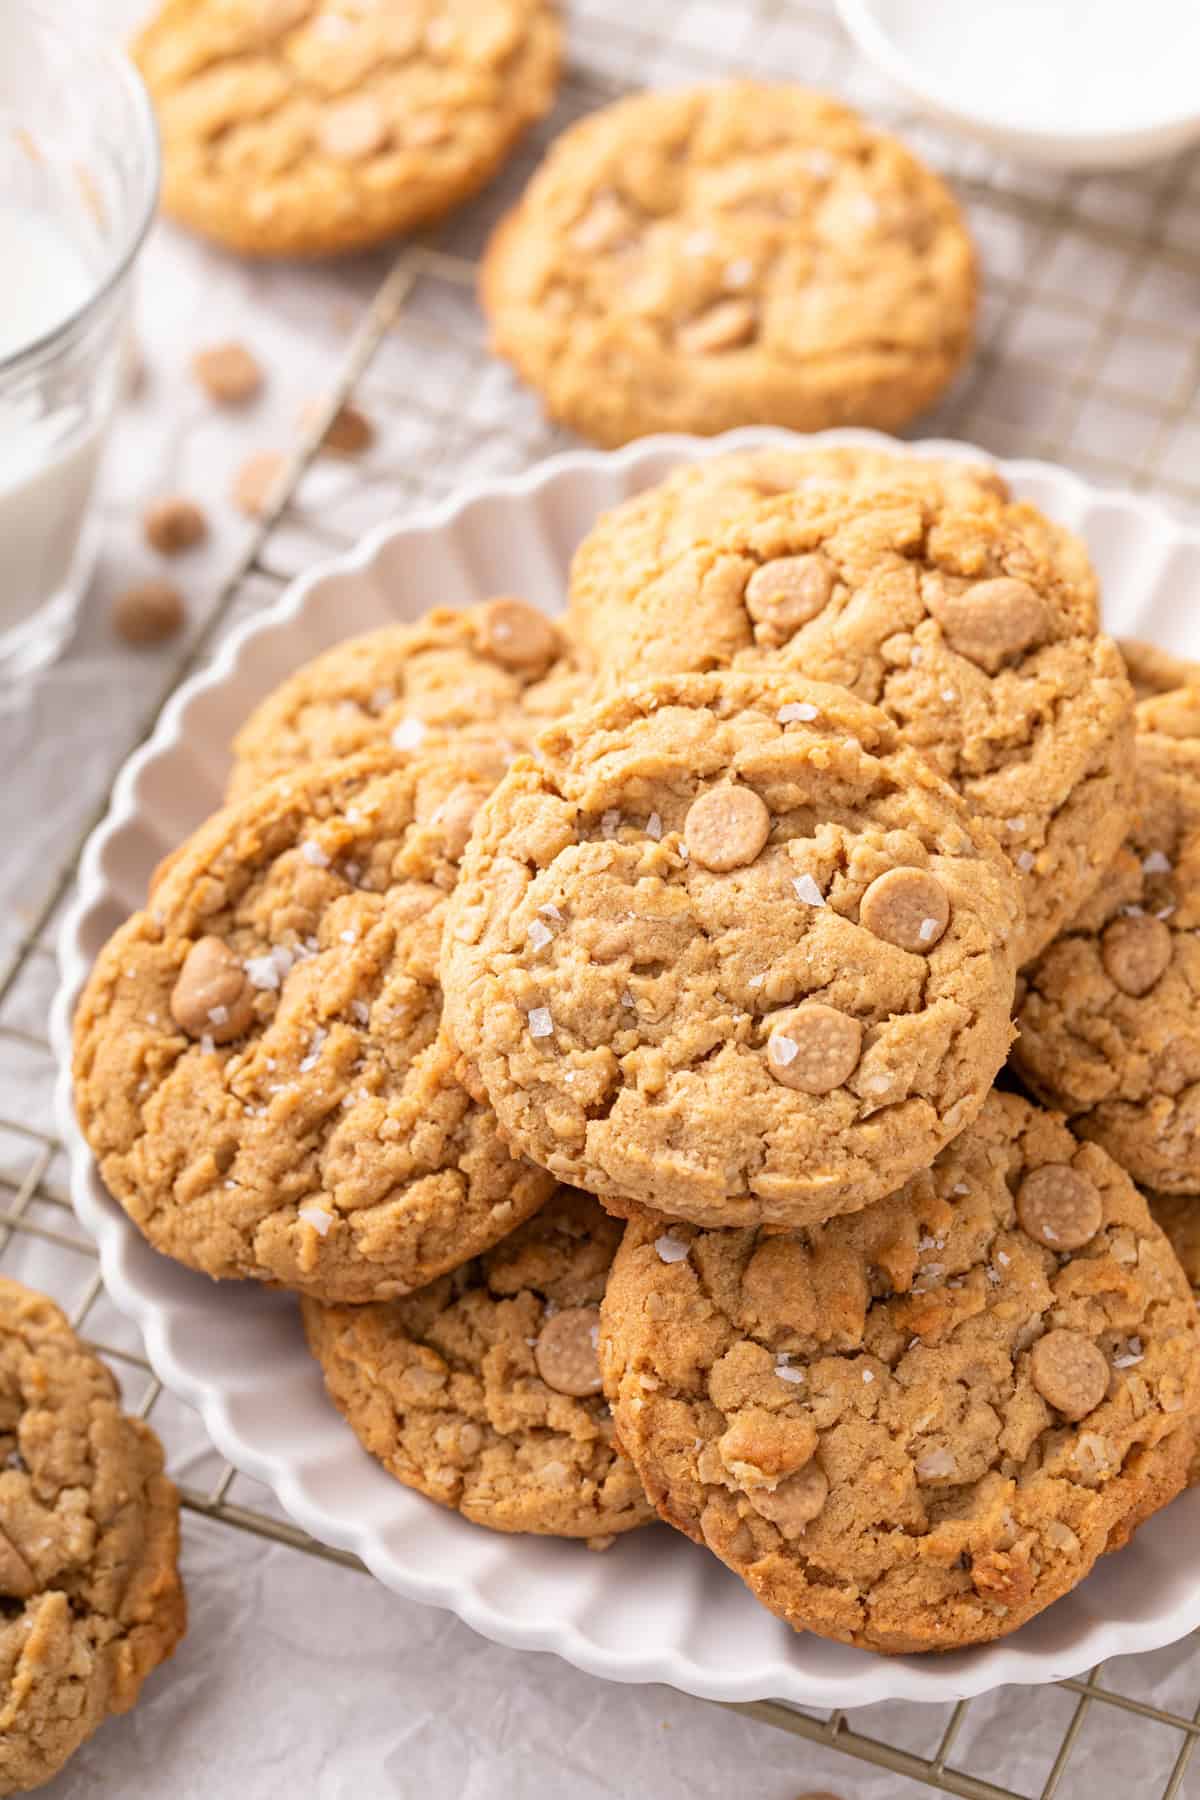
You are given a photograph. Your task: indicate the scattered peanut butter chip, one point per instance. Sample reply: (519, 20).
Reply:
(991, 621)
(814, 1048)
(256, 482)
(1069, 1372)
(516, 634)
(349, 432)
(1059, 1207)
(455, 817)
(1135, 952)
(565, 1352)
(726, 828)
(784, 594)
(794, 1503)
(148, 613)
(173, 524)
(906, 907)
(228, 373)
(16, 1577)
(213, 996)
(725, 326)
(352, 130)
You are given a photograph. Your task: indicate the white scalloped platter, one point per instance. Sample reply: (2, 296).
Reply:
(654, 1607)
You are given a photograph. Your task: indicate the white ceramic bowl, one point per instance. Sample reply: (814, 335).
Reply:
(1157, 125)
(653, 1608)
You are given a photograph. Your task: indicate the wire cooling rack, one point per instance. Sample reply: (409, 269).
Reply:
(1088, 355)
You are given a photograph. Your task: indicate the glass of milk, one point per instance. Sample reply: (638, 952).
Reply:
(78, 186)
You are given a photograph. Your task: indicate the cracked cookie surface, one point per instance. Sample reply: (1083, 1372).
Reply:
(974, 626)
(1110, 1022)
(480, 682)
(483, 1390)
(258, 1066)
(630, 628)
(88, 1549)
(914, 1428)
(730, 950)
(308, 127)
(745, 252)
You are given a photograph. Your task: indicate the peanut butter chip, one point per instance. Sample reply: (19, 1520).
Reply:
(348, 433)
(794, 1503)
(455, 817)
(814, 1048)
(174, 524)
(228, 373)
(1069, 1372)
(906, 907)
(517, 635)
(16, 1577)
(213, 997)
(352, 130)
(784, 594)
(148, 613)
(991, 621)
(725, 326)
(1059, 1207)
(565, 1352)
(726, 828)
(1135, 951)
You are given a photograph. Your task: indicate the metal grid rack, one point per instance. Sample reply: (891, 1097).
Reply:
(1089, 355)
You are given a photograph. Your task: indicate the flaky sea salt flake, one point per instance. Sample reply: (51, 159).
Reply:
(313, 853)
(671, 1249)
(796, 711)
(408, 734)
(808, 891)
(541, 1025)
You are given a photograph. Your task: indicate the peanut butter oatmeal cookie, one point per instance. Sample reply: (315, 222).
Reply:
(974, 626)
(1110, 1022)
(725, 255)
(481, 681)
(307, 127)
(92, 1600)
(628, 550)
(731, 950)
(258, 1066)
(483, 1390)
(915, 1428)
(1153, 670)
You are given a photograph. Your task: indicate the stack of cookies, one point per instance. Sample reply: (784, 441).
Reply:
(602, 1026)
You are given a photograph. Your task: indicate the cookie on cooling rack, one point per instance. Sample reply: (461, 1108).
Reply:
(725, 255)
(915, 1428)
(309, 127)
(632, 624)
(729, 949)
(258, 1066)
(1109, 1027)
(89, 1542)
(480, 681)
(483, 1390)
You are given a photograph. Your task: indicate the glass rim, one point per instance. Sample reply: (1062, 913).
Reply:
(142, 112)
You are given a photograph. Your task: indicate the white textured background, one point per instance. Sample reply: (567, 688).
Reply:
(300, 1677)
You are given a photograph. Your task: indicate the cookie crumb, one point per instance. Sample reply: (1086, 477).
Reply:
(349, 433)
(257, 482)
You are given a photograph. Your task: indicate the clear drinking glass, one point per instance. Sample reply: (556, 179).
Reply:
(78, 186)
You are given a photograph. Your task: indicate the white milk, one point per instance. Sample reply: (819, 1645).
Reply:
(48, 446)
(1087, 65)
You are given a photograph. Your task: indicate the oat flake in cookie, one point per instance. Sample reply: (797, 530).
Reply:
(915, 1428)
(732, 951)
(89, 1541)
(973, 625)
(258, 1067)
(483, 1390)
(745, 252)
(1110, 1022)
(310, 127)
(481, 682)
